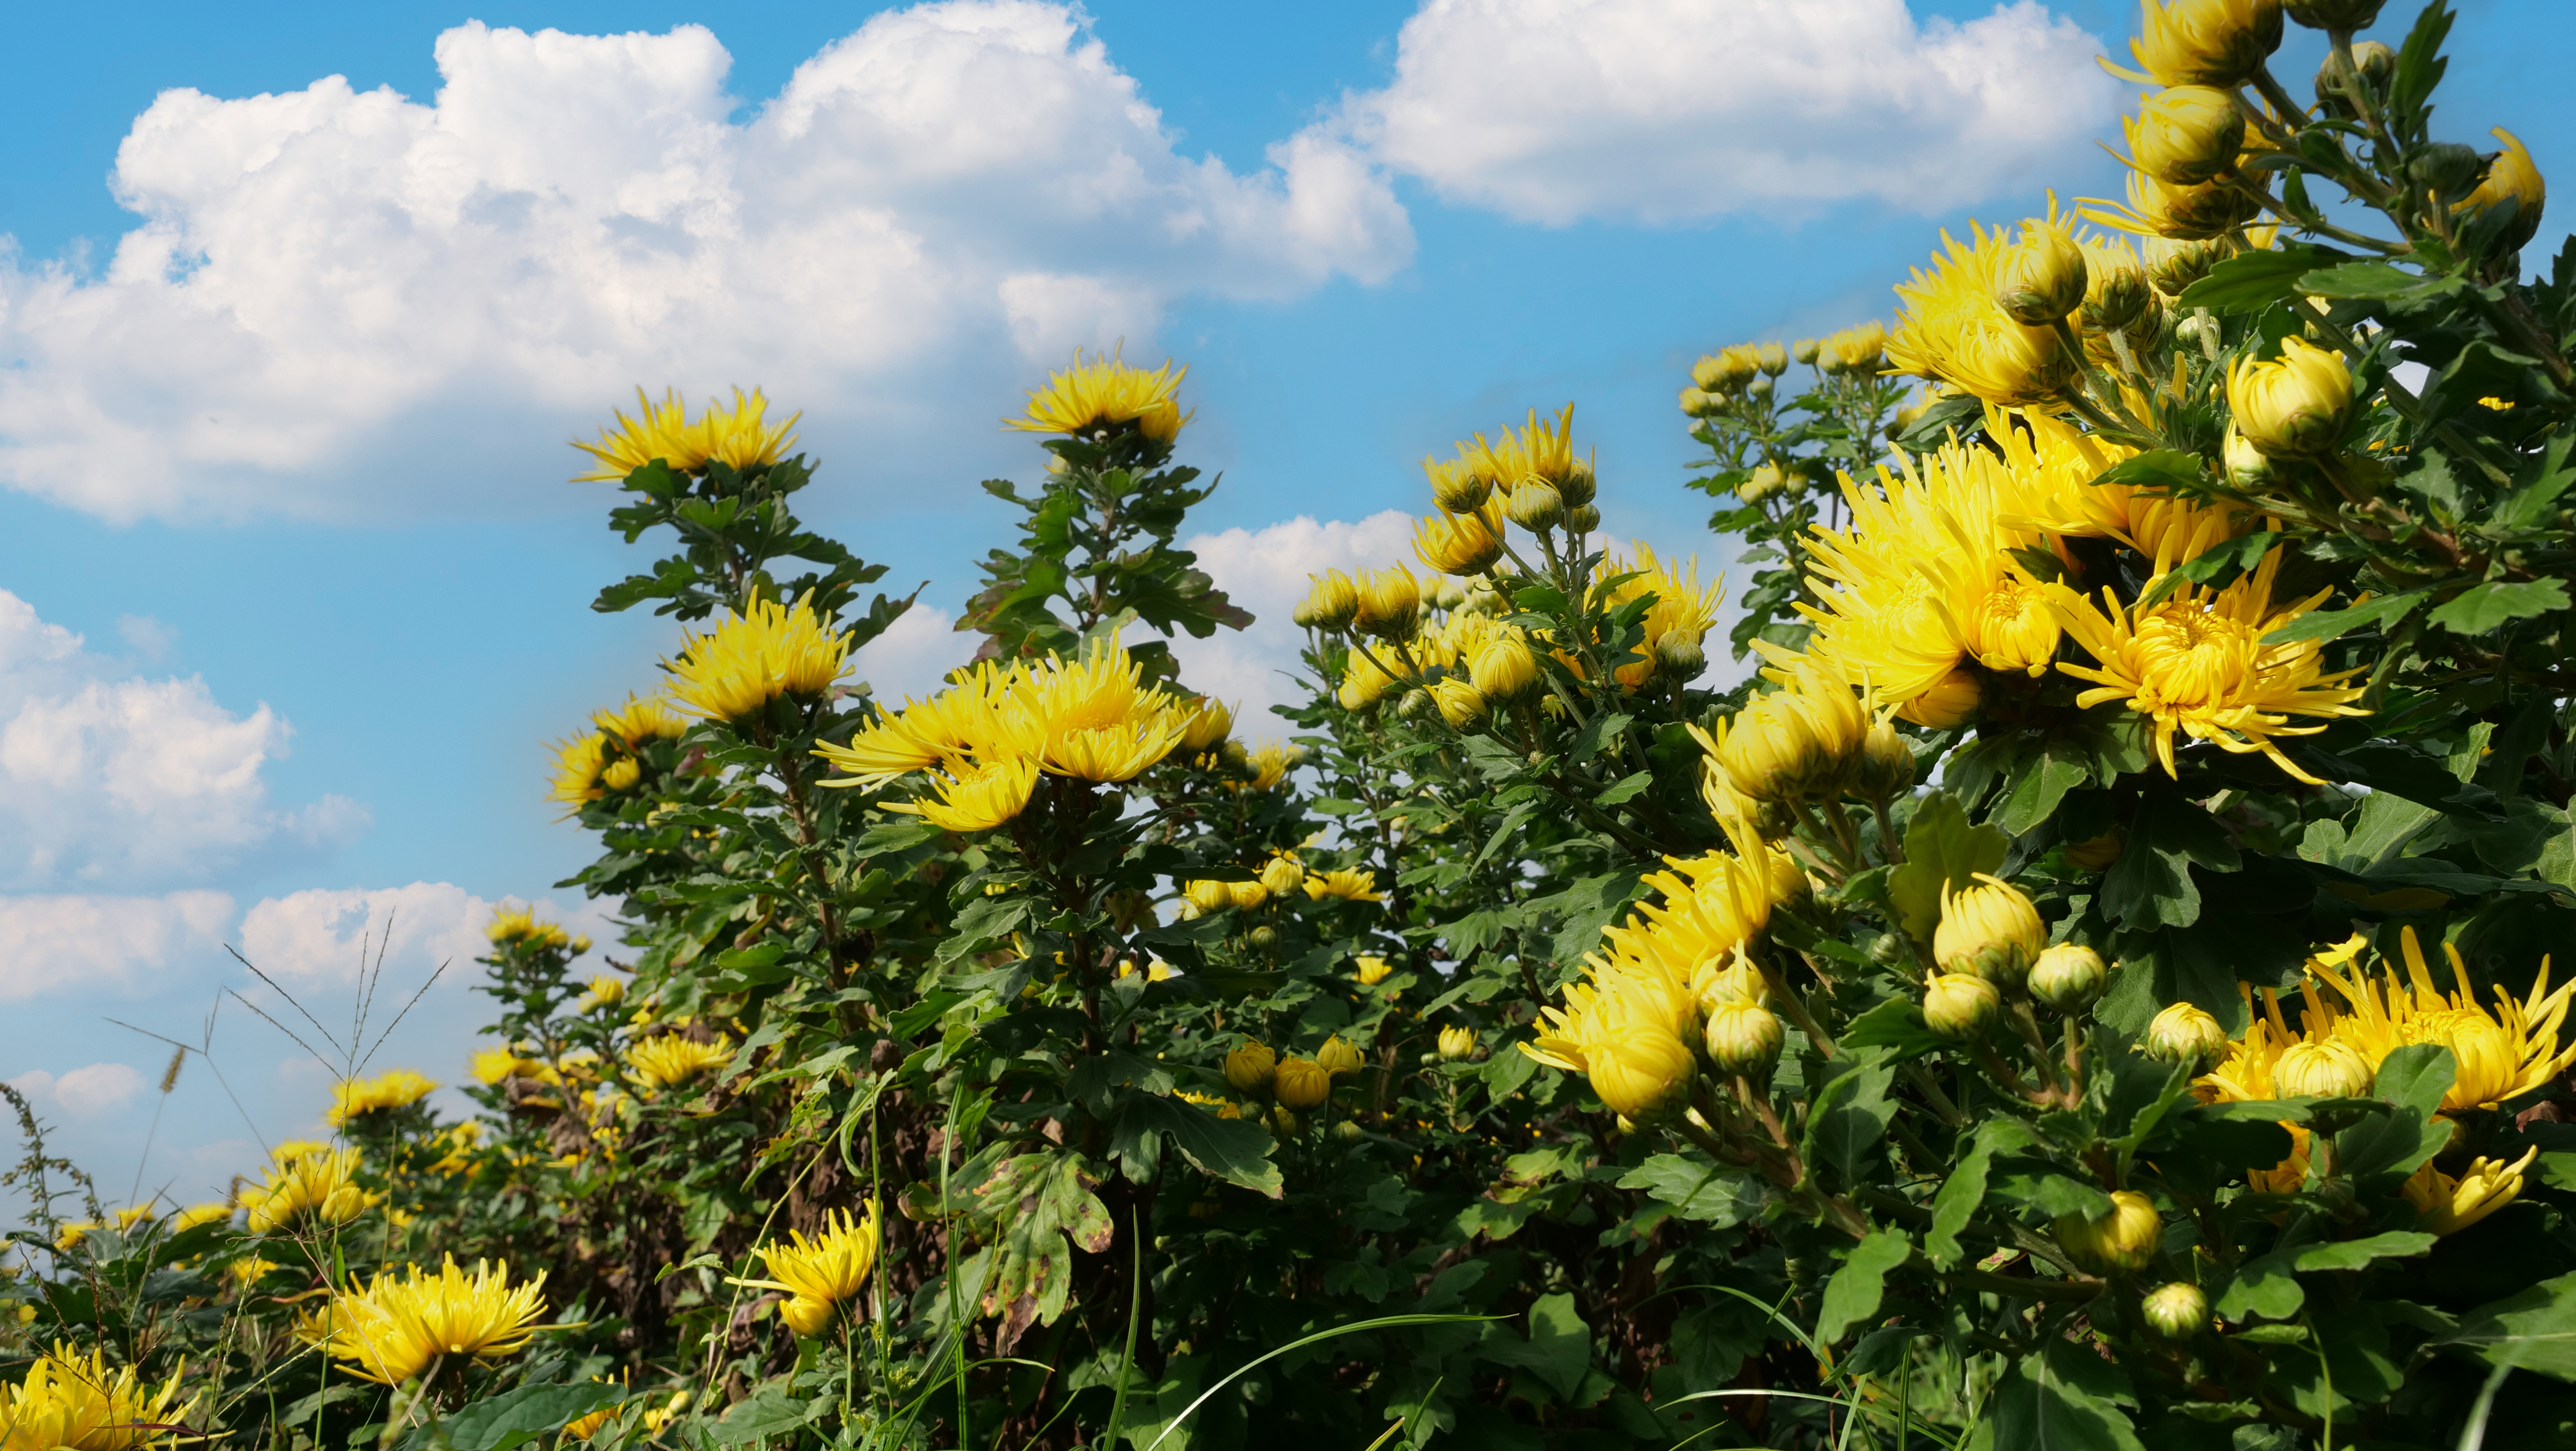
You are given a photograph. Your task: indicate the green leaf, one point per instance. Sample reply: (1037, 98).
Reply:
(2267, 1286)
(2053, 1402)
(1698, 1190)
(1233, 1149)
(2416, 1076)
(1853, 1295)
(1965, 1189)
(766, 1412)
(1850, 1113)
(1559, 1342)
(2158, 468)
(2480, 608)
(1941, 850)
(2215, 565)
(2534, 1330)
(2150, 885)
(2039, 784)
(1894, 1024)
(2252, 281)
(2333, 624)
(517, 1416)
(2365, 279)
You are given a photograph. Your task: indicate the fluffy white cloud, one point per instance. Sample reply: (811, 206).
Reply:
(1554, 110)
(83, 1092)
(63, 942)
(326, 935)
(1265, 571)
(325, 281)
(105, 777)
(914, 655)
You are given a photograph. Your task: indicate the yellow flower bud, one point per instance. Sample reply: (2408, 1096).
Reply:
(1988, 930)
(2344, 15)
(1249, 1067)
(1773, 360)
(1282, 875)
(1960, 1007)
(2116, 290)
(2177, 1311)
(1640, 1070)
(1856, 349)
(1370, 969)
(1806, 350)
(1886, 766)
(1458, 543)
(2296, 405)
(1954, 700)
(2511, 177)
(1698, 402)
(2121, 1241)
(1209, 727)
(1577, 485)
(2185, 135)
(1208, 896)
(1332, 600)
(1457, 1044)
(1246, 896)
(1461, 704)
(1338, 1057)
(1455, 487)
(2246, 466)
(1301, 1084)
(1502, 666)
(2191, 213)
(622, 773)
(2041, 278)
(1284, 1123)
(2184, 1034)
(806, 1315)
(1743, 1038)
(2095, 855)
(2068, 975)
(2331, 1069)
(1535, 506)
(1390, 603)
(1679, 656)
(2206, 42)
(2174, 264)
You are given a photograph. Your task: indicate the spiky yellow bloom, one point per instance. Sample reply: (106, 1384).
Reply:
(640, 719)
(2156, 208)
(305, 1192)
(2045, 481)
(673, 1059)
(1208, 727)
(2205, 42)
(459, 1143)
(1269, 763)
(1794, 742)
(210, 1212)
(1460, 544)
(1855, 350)
(2196, 662)
(958, 721)
(520, 924)
(491, 1065)
(580, 763)
(1541, 450)
(399, 1326)
(72, 1402)
(1951, 329)
(1093, 718)
(1106, 393)
(604, 990)
(392, 1089)
(1682, 609)
(1350, 884)
(2498, 1053)
(2450, 1205)
(751, 660)
(740, 437)
(819, 1274)
(581, 1428)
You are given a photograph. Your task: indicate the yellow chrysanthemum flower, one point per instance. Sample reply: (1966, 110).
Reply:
(1951, 330)
(2205, 42)
(2450, 1205)
(2046, 481)
(208, 1212)
(1352, 884)
(1105, 393)
(72, 1402)
(1857, 350)
(2196, 662)
(673, 1059)
(979, 798)
(460, 1143)
(819, 1274)
(307, 1191)
(1269, 763)
(1682, 611)
(398, 1327)
(751, 660)
(640, 719)
(520, 924)
(1541, 449)
(580, 762)
(356, 1097)
(582, 1428)
(1370, 969)
(2498, 1053)
(491, 1065)
(1461, 544)
(738, 436)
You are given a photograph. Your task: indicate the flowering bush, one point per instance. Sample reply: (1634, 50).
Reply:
(2090, 986)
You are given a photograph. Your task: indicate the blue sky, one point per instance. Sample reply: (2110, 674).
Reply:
(283, 403)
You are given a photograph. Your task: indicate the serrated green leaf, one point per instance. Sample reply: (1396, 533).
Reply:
(2481, 608)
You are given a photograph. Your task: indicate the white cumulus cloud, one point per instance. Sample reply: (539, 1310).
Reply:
(84, 1092)
(110, 777)
(326, 935)
(61, 942)
(1265, 571)
(324, 281)
(1664, 110)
